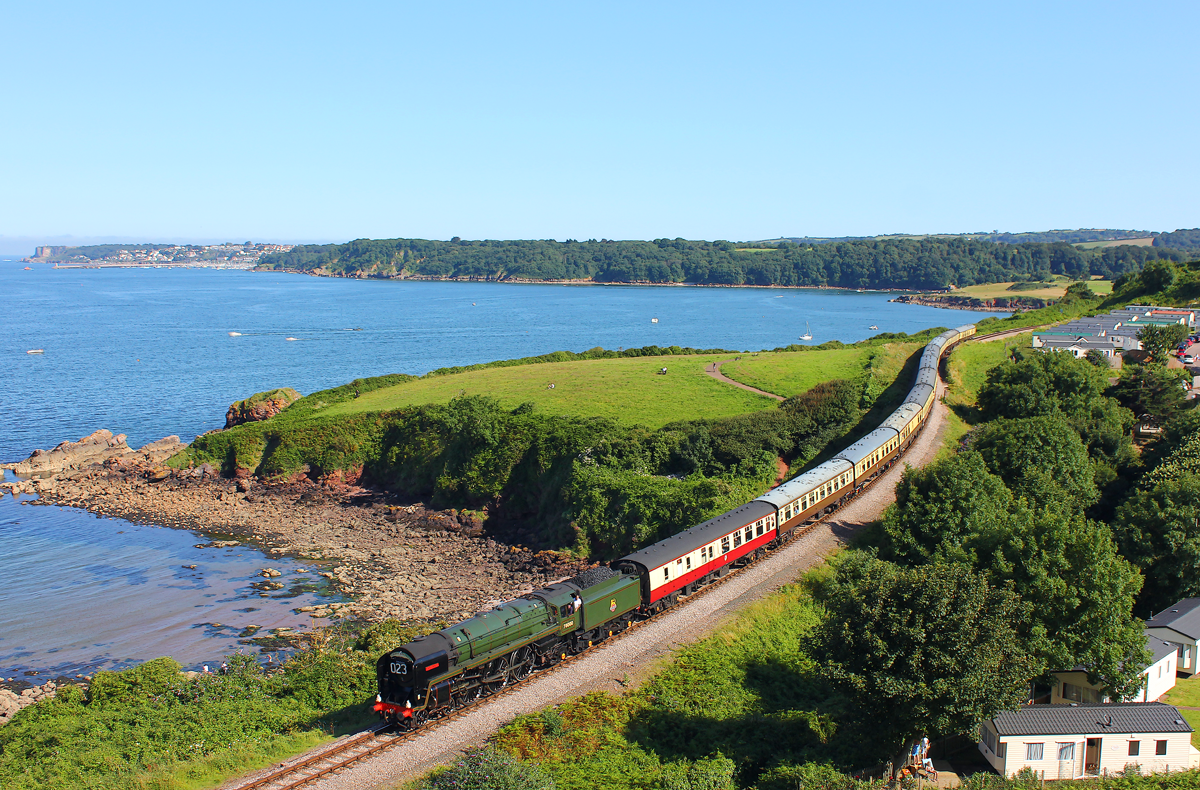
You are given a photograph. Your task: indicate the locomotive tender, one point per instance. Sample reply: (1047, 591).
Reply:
(473, 659)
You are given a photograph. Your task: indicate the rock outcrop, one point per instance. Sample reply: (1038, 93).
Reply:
(11, 702)
(260, 406)
(96, 448)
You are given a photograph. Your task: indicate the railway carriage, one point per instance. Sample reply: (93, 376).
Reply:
(682, 563)
(906, 421)
(871, 454)
(480, 656)
(927, 376)
(813, 493)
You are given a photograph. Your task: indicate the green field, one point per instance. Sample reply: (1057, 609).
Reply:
(789, 372)
(626, 390)
(631, 391)
(1053, 290)
(1186, 693)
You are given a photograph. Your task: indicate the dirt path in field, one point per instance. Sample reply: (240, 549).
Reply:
(626, 662)
(714, 369)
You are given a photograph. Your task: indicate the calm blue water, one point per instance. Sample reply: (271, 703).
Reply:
(147, 353)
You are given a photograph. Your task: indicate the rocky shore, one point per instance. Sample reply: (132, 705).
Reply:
(393, 559)
(12, 701)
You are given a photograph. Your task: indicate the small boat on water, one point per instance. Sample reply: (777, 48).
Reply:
(28, 268)
(807, 334)
(654, 320)
(872, 326)
(291, 338)
(35, 351)
(235, 334)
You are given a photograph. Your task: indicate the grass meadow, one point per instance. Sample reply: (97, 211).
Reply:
(788, 373)
(1051, 291)
(631, 391)
(627, 390)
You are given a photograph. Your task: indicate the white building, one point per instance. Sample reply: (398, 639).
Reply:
(1179, 624)
(1076, 741)
(1157, 679)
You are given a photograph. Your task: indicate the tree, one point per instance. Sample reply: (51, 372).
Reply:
(942, 509)
(1076, 590)
(1077, 291)
(1158, 275)
(1096, 357)
(1036, 383)
(1159, 341)
(1152, 391)
(1012, 449)
(925, 650)
(1159, 531)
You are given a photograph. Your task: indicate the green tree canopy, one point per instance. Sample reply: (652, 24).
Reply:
(942, 510)
(1035, 383)
(1160, 341)
(1153, 391)
(1159, 531)
(1076, 589)
(926, 650)
(1012, 449)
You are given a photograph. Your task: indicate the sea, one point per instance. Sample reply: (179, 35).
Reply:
(154, 352)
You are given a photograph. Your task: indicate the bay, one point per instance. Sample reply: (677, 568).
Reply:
(148, 353)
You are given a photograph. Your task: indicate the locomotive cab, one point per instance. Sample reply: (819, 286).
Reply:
(405, 674)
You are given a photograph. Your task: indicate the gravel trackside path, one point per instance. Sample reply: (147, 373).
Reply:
(629, 659)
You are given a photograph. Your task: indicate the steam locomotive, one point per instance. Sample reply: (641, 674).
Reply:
(473, 659)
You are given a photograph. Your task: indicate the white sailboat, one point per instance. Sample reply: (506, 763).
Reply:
(807, 334)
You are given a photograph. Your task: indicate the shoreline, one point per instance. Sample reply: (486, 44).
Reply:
(384, 558)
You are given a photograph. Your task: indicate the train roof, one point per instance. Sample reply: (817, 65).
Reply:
(868, 444)
(901, 416)
(965, 328)
(919, 394)
(801, 484)
(700, 535)
(927, 376)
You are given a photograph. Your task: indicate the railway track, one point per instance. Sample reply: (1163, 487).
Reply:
(385, 737)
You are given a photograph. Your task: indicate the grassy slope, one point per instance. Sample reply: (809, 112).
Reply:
(630, 391)
(1187, 694)
(626, 390)
(966, 370)
(771, 708)
(790, 372)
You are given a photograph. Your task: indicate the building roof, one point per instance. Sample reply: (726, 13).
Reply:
(1089, 719)
(1158, 649)
(1183, 616)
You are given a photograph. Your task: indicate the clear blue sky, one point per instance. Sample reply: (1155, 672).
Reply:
(600, 120)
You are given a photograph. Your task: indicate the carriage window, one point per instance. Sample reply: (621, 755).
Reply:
(689, 562)
(759, 530)
(737, 539)
(725, 545)
(666, 573)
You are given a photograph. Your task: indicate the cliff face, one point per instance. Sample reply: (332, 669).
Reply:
(261, 406)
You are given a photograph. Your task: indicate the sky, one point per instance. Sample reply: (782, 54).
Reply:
(740, 121)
